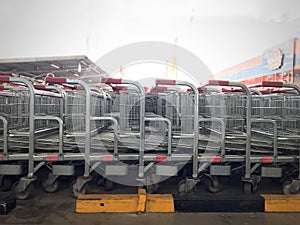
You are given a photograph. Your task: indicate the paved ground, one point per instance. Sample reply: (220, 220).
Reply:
(58, 208)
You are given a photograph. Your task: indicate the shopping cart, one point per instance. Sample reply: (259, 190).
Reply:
(29, 120)
(276, 129)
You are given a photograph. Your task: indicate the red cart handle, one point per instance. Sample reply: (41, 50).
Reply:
(119, 88)
(278, 84)
(111, 81)
(165, 82)
(40, 87)
(4, 79)
(160, 89)
(218, 82)
(56, 80)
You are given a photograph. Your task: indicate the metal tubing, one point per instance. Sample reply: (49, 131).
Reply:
(61, 124)
(248, 127)
(248, 120)
(275, 131)
(159, 119)
(63, 95)
(31, 122)
(196, 122)
(87, 123)
(222, 131)
(115, 122)
(142, 124)
(257, 92)
(297, 88)
(5, 136)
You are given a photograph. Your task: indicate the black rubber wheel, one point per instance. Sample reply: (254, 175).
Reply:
(22, 195)
(286, 187)
(181, 186)
(6, 184)
(213, 186)
(108, 185)
(150, 189)
(247, 188)
(77, 192)
(50, 188)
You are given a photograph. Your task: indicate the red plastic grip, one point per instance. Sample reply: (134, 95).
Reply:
(201, 89)
(278, 84)
(4, 79)
(78, 87)
(40, 87)
(232, 90)
(107, 158)
(165, 82)
(111, 81)
(160, 89)
(153, 92)
(119, 88)
(267, 159)
(161, 158)
(215, 159)
(1, 157)
(268, 91)
(56, 80)
(52, 158)
(218, 82)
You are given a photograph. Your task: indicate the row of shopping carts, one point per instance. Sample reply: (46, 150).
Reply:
(125, 135)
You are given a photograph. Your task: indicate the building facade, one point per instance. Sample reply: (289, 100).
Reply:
(279, 63)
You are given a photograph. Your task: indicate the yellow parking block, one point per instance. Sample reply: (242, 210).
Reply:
(125, 203)
(96, 203)
(282, 203)
(160, 203)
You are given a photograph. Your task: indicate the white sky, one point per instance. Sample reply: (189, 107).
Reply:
(222, 32)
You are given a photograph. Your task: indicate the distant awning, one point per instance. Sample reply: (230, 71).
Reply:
(74, 67)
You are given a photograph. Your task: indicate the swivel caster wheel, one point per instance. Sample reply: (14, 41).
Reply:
(22, 194)
(50, 188)
(291, 187)
(150, 189)
(76, 192)
(248, 188)
(213, 185)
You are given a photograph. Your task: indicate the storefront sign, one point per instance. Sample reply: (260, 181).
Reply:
(275, 59)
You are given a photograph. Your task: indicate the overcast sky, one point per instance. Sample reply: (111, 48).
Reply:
(220, 32)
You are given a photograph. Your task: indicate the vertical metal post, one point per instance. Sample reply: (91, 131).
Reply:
(87, 124)
(31, 123)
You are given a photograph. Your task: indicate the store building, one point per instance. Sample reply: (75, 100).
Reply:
(278, 63)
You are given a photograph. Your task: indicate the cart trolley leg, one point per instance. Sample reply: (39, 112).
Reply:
(293, 186)
(141, 167)
(23, 187)
(212, 181)
(79, 185)
(188, 184)
(248, 180)
(251, 185)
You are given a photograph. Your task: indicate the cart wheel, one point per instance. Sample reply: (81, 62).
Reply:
(286, 187)
(100, 182)
(214, 185)
(77, 192)
(150, 189)
(247, 188)
(108, 185)
(6, 184)
(181, 186)
(24, 194)
(50, 188)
